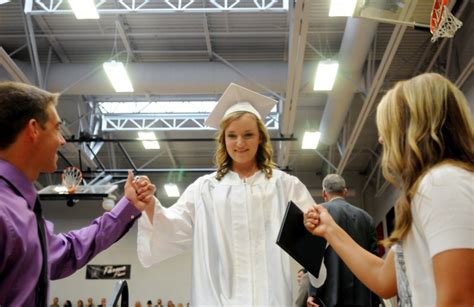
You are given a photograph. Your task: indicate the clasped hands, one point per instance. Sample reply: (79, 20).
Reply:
(140, 191)
(318, 221)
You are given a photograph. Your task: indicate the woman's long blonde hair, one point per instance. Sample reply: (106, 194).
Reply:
(423, 122)
(222, 159)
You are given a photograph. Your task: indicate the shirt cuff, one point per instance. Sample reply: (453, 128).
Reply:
(124, 210)
(145, 220)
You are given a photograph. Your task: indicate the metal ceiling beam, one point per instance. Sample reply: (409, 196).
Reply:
(164, 122)
(465, 74)
(58, 49)
(11, 68)
(127, 156)
(299, 30)
(208, 37)
(123, 36)
(17, 50)
(245, 75)
(161, 35)
(31, 40)
(95, 157)
(111, 152)
(89, 139)
(43, 7)
(167, 148)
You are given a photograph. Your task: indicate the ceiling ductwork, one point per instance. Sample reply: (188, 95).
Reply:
(355, 46)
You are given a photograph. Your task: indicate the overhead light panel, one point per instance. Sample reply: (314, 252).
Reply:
(172, 190)
(325, 75)
(84, 9)
(310, 140)
(4, 1)
(342, 8)
(149, 140)
(118, 76)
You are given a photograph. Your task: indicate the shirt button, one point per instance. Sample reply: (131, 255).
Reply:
(132, 217)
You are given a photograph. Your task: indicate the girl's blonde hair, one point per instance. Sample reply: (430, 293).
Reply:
(222, 159)
(423, 122)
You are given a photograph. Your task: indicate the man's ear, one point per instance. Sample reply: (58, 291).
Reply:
(33, 129)
(344, 192)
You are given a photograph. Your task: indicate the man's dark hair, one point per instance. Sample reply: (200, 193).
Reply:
(19, 103)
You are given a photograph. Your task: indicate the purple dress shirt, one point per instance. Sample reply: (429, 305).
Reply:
(20, 250)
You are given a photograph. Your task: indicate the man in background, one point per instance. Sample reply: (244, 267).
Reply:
(341, 287)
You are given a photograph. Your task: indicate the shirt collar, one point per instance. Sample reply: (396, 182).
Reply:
(336, 197)
(233, 177)
(19, 180)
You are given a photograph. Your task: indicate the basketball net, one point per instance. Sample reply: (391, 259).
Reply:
(71, 178)
(443, 23)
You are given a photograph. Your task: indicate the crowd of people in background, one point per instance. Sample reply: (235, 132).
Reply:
(103, 302)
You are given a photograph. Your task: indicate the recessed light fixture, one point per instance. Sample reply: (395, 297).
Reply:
(310, 140)
(118, 76)
(84, 9)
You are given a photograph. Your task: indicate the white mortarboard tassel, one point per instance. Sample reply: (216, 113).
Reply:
(237, 98)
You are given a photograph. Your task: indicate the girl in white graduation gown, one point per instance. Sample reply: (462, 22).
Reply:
(231, 218)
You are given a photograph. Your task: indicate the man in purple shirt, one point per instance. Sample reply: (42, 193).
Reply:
(29, 140)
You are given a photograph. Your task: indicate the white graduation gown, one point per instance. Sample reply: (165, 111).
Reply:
(231, 226)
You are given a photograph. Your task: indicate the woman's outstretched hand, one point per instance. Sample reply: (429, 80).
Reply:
(317, 220)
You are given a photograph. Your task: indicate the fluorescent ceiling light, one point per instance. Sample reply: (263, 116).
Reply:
(342, 8)
(118, 76)
(310, 140)
(325, 75)
(148, 140)
(84, 9)
(172, 190)
(4, 1)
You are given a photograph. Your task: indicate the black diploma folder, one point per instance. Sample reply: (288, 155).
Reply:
(305, 248)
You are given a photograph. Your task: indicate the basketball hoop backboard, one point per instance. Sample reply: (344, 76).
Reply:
(60, 192)
(429, 15)
(395, 12)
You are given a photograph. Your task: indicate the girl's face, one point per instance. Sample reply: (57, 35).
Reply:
(242, 139)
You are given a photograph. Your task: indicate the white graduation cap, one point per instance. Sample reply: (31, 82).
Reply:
(237, 98)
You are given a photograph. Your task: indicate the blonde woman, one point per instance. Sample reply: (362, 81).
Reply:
(231, 218)
(427, 134)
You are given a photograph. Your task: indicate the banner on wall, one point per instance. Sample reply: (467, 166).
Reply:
(112, 271)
